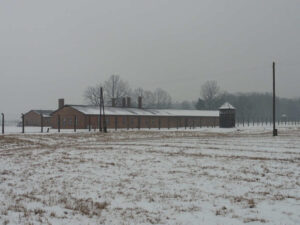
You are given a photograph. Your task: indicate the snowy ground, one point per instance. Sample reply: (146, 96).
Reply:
(204, 176)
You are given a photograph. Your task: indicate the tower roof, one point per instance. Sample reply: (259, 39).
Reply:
(226, 105)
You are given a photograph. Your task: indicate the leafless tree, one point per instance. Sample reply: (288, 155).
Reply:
(162, 98)
(116, 88)
(149, 99)
(92, 95)
(147, 96)
(210, 91)
(157, 99)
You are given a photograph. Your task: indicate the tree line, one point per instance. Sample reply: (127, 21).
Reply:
(250, 106)
(116, 88)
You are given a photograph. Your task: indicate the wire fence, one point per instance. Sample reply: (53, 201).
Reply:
(240, 123)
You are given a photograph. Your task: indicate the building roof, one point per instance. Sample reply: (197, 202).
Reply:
(120, 111)
(226, 105)
(45, 113)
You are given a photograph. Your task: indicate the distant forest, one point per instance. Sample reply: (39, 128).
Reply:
(249, 106)
(258, 106)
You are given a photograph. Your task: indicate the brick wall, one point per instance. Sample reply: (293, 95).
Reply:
(34, 119)
(67, 118)
(67, 115)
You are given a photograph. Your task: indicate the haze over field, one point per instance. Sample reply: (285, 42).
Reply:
(53, 49)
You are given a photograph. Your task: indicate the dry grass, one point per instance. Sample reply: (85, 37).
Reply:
(171, 173)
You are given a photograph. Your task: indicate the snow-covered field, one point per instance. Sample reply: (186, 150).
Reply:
(204, 176)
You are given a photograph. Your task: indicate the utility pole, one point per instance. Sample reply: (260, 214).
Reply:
(104, 120)
(23, 125)
(58, 123)
(275, 133)
(2, 123)
(100, 123)
(42, 122)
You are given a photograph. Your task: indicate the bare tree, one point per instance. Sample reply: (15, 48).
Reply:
(147, 96)
(135, 94)
(157, 99)
(162, 98)
(149, 99)
(116, 88)
(92, 95)
(210, 91)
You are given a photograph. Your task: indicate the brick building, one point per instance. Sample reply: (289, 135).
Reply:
(127, 117)
(34, 118)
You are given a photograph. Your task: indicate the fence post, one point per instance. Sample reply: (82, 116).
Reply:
(116, 122)
(75, 123)
(168, 123)
(2, 123)
(127, 122)
(58, 123)
(89, 123)
(139, 122)
(23, 125)
(159, 123)
(42, 123)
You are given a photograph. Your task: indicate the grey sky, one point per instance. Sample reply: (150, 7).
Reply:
(53, 49)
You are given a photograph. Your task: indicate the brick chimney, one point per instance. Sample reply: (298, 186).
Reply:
(128, 102)
(140, 102)
(61, 103)
(123, 102)
(113, 102)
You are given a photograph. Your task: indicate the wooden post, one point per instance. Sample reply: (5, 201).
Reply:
(42, 122)
(274, 103)
(104, 119)
(23, 124)
(139, 122)
(128, 122)
(116, 122)
(58, 123)
(2, 123)
(75, 123)
(159, 123)
(89, 123)
(168, 123)
(100, 109)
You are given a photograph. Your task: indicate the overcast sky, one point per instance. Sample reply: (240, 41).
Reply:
(56, 48)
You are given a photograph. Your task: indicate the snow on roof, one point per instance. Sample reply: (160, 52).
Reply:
(94, 110)
(45, 113)
(226, 105)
